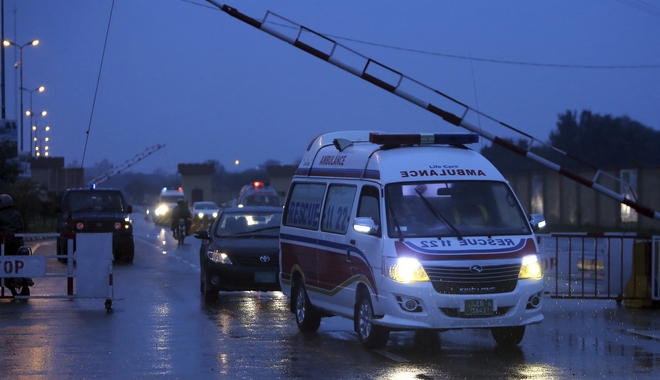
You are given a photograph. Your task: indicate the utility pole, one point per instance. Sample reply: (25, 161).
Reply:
(2, 57)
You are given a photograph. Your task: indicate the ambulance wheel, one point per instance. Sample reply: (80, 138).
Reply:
(307, 318)
(508, 336)
(369, 334)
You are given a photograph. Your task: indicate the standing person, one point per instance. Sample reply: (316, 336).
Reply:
(180, 212)
(12, 223)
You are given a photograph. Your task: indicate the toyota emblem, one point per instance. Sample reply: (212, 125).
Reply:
(264, 258)
(476, 269)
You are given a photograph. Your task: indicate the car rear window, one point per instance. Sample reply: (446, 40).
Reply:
(106, 201)
(249, 224)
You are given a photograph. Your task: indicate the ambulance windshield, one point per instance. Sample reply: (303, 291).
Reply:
(460, 208)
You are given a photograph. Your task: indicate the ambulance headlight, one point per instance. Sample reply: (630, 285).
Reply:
(531, 268)
(200, 215)
(219, 257)
(162, 210)
(404, 269)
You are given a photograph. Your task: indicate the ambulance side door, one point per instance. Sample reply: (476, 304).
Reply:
(366, 249)
(299, 233)
(334, 275)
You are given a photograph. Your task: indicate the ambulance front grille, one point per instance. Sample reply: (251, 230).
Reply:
(474, 279)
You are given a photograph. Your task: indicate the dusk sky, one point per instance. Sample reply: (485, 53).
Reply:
(210, 87)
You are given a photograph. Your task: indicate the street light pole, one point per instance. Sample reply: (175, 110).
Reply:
(35, 139)
(20, 48)
(29, 112)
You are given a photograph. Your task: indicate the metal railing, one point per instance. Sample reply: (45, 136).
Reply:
(600, 266)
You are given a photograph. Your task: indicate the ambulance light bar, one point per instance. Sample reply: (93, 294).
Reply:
(423, 138)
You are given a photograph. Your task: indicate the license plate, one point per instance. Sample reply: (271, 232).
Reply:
(264, 277)
(478, 307)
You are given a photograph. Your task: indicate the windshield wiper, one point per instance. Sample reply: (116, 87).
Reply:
(397, 227)
(265, 229)
(439, 215)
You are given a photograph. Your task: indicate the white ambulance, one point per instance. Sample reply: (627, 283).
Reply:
(407, 232)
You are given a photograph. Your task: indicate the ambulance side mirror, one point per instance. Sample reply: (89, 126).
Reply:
(365, 225)
(537, 221)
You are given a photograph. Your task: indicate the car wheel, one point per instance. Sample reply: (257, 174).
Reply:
(127, 257)
(18, 288)
(508, 336)
(25, 290)
(307, 317)
(124, 252)
(210, 294)
(369, 334)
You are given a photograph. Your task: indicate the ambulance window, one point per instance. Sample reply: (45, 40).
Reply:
(338, 208)
(369, 205)
(304, 207)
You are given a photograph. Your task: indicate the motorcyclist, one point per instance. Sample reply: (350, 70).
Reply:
(11, 223)
(180, 212)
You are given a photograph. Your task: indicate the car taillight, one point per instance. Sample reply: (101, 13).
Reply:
(80, 226)
(117, 226)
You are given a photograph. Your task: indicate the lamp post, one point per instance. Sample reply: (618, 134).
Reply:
(20, 63)
(35, 139)
(29, 112)
(41, 149)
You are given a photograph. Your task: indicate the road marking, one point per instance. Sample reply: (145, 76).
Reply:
(344, 335)
(391, 356)
(160, 250)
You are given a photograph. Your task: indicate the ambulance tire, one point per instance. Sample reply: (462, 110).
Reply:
(308, 318)
(508, 336)
(370, 335)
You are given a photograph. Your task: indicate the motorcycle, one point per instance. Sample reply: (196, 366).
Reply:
(20, 286)
(181, 231)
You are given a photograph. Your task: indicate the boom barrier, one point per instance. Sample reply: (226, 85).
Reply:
(438, 103)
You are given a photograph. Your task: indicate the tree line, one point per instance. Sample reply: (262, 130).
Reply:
(601, 141)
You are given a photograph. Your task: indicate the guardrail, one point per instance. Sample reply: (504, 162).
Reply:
(88, 271)
(600, 266)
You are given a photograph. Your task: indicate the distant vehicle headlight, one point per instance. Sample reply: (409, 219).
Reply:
(531, 268)
(200, 215)
(215, 215)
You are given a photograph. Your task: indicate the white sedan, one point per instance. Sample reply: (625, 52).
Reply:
(205, 211)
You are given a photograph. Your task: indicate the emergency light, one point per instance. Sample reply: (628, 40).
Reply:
(423, 138)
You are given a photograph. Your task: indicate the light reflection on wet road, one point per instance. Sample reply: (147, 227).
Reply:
(160, 326)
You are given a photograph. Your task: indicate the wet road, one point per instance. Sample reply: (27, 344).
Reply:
(159, 326)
